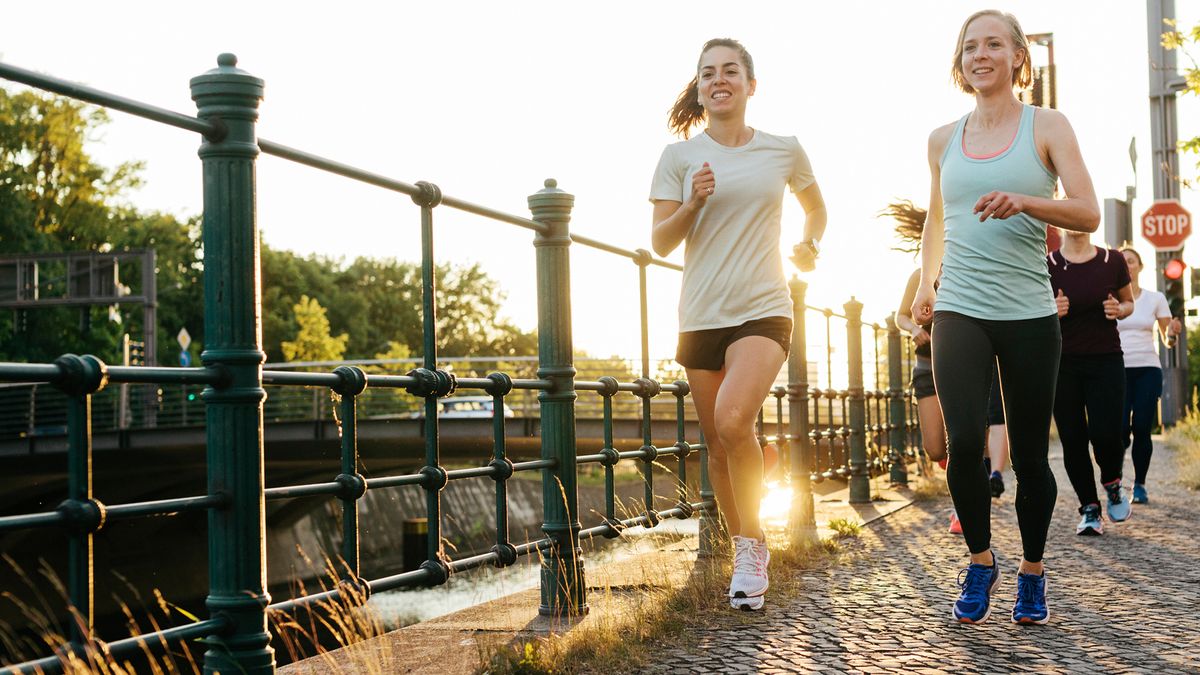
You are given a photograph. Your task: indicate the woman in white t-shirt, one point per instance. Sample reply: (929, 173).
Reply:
(721, 192)
(1143, 373)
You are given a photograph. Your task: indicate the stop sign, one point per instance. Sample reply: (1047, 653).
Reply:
(1166, 224)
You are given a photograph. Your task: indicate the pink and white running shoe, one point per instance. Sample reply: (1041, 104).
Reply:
(748, 587)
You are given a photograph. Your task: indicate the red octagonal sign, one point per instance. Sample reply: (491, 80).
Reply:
(1166, 224)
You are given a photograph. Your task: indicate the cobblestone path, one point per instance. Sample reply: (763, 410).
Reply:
(1126, 602)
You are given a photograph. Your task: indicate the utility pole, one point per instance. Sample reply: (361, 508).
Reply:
(1165, 81)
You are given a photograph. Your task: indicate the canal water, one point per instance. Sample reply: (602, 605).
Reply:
(406, 607)
(468, 528)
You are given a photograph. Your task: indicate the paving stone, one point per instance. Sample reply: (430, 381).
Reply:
(1121, 603)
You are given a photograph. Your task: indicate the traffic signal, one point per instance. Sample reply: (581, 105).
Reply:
(1195, 282)
(1173, 286)
(137, 353)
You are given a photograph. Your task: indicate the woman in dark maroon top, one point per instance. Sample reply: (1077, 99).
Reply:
(1091, 286)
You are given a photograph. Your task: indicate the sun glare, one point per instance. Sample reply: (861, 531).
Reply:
(776, 503)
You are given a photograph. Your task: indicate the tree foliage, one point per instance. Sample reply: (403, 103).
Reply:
(378, 303)
(54, 198)
(313, 341)
(1187, 42)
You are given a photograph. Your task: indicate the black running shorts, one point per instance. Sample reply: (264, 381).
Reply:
(705, 349)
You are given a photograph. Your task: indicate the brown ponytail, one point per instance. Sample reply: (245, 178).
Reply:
(910, 224)
(687, 111)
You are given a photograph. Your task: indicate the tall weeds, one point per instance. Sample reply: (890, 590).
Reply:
(1184, 437)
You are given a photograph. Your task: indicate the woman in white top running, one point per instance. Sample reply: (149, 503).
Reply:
(721, 192)
(1143, 374)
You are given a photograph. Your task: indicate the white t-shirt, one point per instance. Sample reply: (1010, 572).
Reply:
(733, 271)
(1137, 329)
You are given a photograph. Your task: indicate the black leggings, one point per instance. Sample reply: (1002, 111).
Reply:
(1027, 352)
(1087, 407)
(1143, 387)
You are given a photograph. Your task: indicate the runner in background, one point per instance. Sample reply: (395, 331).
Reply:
(1092, 291)
(1143, 373)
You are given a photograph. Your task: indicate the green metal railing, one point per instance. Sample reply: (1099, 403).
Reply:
(817, 443)
(33, 411)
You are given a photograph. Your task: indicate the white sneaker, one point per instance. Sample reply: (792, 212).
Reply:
(749, 583)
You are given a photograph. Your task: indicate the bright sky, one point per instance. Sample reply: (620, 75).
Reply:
(488, 99)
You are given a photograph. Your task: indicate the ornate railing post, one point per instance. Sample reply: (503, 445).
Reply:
(563, 588)
(802, 524)
(860, 482)
(233, 343)
(896, 418)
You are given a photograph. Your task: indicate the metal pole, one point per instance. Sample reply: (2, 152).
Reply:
(802, 522)
(150, 332)
(352, 383)
(896, 421)
(1164, 82)
(562, 579)
(237, 565)
(860, 484)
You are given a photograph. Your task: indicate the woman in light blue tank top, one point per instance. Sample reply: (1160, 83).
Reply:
(994, 172)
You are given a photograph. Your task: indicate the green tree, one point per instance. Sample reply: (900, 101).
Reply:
(396, 351)
(378, 302)
(54, 197)
(313, 340)
(286, 277)
(1187, 42)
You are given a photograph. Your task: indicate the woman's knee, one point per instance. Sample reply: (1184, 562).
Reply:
(1031, 469)
(935, 447)
(734, 424)
(966, 441)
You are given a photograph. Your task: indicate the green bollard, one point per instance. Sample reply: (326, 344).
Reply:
(860, 482)
(233, 343)
(802, 522)
(564, 592)
(896, 421)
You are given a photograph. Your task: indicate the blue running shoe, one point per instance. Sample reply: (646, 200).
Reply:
(1030, 607)
(996, 483)
(978, 582)
(1118, 502)
(1139, 494)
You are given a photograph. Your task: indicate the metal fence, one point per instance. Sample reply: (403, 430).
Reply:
(848, 433)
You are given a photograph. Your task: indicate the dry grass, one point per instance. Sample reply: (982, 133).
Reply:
(341, 622)
(44, 634)
(1184, 437)
(625, 641)
(301, 634)
(930, 487)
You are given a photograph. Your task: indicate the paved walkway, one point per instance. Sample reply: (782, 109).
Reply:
(1126, 602)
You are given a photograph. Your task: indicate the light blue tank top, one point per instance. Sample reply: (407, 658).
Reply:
(995, 269)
